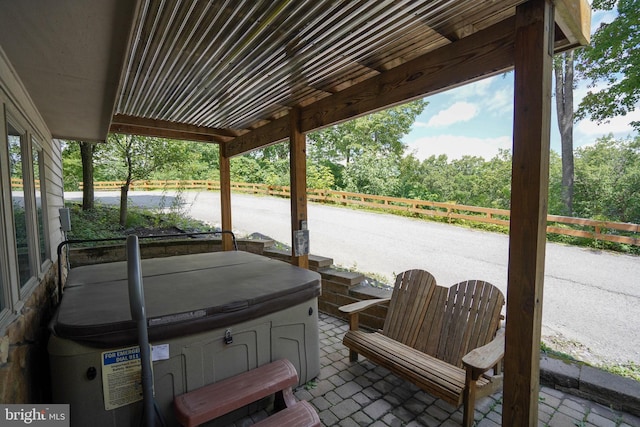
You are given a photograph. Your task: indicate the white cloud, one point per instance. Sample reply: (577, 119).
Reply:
(618, 125)
(458, 112)
(480, 88)
(502, 101)
(455, 146)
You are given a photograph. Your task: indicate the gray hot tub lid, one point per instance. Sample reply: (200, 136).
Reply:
(183, 295)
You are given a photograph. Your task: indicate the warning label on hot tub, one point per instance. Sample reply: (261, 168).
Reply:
(121, 377)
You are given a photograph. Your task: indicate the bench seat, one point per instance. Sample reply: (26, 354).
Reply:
(214, 400)
(436, 377)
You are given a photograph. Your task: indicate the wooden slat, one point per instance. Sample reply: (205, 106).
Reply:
(439, 378)
(429, 338)
(408, 305)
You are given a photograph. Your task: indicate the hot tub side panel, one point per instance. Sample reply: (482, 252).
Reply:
(191, 361)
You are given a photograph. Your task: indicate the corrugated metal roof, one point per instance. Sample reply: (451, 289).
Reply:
(233, 64)
(213, 70)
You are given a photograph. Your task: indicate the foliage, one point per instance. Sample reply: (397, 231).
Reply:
(372, 173)
(71, 166)
(613, 57)
(190, 161)
(630, 370)
(346, 144)
(608, 179)
(102, 222)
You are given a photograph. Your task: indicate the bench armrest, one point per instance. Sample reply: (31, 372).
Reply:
(483, 358)
(359, 306)
(355, 308)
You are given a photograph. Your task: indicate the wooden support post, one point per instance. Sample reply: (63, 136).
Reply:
(298, 171)
(225, 200)
(529, 191)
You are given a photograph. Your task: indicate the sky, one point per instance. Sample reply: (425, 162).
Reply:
(477, 119)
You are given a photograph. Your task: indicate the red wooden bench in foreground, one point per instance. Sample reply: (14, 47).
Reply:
(214, 400)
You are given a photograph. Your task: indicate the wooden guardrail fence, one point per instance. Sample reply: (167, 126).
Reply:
(578, 227)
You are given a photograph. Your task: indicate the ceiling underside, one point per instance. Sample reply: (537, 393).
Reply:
(214, 70)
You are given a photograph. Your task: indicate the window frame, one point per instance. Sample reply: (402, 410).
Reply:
(36, 149)
(10, 291)
(6, 294)
(20, 292)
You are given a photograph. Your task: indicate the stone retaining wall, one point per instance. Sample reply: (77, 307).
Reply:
(24, 363)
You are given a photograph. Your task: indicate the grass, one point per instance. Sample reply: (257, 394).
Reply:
(102, 222)
(627, 370)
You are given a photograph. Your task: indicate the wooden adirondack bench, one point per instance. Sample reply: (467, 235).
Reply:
(444, 340)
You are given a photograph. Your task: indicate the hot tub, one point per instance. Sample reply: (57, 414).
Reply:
(210, 316)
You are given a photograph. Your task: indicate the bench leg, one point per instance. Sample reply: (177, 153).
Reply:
(469, 400)
(353, 356)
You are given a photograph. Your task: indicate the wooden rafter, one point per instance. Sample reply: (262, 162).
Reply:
(165, 129)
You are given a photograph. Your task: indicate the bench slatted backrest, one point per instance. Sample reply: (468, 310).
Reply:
(445, 323)
(471, 319)
(409, 305)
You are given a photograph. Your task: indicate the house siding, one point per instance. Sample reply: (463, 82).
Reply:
(24, 371)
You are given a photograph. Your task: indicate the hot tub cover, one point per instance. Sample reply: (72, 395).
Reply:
(183, 295)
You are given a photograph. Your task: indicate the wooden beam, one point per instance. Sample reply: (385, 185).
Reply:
(162, 133)
(298, 171)
(529, 191)
(275, 131)
(573, 17)
(152, 127)
(485, 53)
(225, 199)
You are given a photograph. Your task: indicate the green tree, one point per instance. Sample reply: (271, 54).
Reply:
(437, 178)
(563, 70)
(608, 180)
(87, 149)
(411, 183)
(494, 186)
(133, 157)
(372, 173)
(613, 57)
(556, 206)
(71, 166)
(380, 133)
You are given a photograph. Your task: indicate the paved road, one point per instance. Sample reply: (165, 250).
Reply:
(591, 298)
